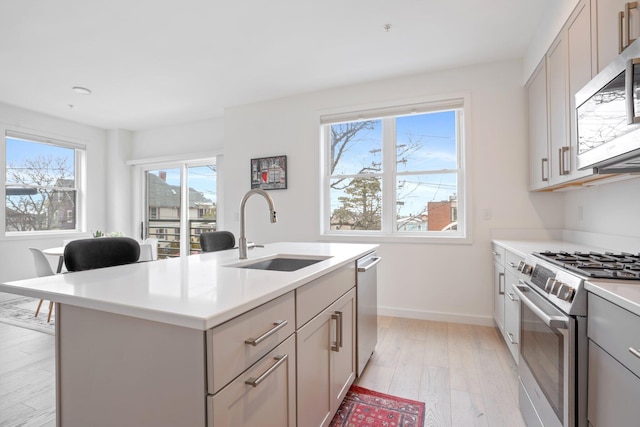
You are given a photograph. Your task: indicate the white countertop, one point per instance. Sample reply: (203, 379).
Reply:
(621, 293)
(199, 291)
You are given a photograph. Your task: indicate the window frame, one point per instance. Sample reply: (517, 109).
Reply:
(80, 165)
(460, 102)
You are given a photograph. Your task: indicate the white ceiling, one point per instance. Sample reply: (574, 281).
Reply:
(154, 63)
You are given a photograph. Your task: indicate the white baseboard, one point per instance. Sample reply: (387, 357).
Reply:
(436, 316)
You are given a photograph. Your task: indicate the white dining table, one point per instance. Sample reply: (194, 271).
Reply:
(59, 252)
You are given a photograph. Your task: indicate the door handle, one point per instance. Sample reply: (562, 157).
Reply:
(337, 316)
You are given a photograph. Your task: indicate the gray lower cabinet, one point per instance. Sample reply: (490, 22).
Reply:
(614, 365)
(506, 306)
(512, 317)
(498, 285)
(288, 362)
(326, 361)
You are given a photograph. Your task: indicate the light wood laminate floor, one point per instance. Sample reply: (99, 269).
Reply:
(464, 373)
(27, 377)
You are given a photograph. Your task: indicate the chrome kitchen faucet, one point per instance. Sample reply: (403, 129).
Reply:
(242, 244)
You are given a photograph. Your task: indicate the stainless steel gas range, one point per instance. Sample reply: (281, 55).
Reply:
(553, 331)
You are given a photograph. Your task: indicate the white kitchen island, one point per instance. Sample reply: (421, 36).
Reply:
(169, 342)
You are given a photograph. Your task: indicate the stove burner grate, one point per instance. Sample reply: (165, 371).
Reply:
(606, 265)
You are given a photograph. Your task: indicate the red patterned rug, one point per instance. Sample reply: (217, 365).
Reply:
(362, 407)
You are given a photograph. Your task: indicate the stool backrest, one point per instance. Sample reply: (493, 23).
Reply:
(89, 254)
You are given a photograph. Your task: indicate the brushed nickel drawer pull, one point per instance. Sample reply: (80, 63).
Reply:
(511, 340)
(278, 324)
(255, 382)
(511, 297)
(635, 352)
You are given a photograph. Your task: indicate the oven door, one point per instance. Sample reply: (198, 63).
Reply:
(547, 352)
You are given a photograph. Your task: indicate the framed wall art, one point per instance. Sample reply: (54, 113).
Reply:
(269, 173)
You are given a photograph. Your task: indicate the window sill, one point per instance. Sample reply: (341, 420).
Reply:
(395, 238)
(33, 235)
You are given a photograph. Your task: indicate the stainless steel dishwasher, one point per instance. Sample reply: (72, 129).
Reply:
(367, 308)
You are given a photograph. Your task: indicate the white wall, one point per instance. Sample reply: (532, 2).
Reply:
(204, 136)
(119, 180)
(16, 259)
(612, 208)
(438, 281)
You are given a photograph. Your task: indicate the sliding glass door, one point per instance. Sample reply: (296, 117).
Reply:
(180, 203)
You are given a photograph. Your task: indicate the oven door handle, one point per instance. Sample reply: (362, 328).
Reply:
(556, 322)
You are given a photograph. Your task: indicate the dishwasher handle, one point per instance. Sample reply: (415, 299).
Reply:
(376, 260)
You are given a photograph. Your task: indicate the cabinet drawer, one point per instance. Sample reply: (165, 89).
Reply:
(319, 294)
(498, 253)
(271, 402)
(613, 391)
(512, 319)
(227, 352)
(511, 262)
(615, 330)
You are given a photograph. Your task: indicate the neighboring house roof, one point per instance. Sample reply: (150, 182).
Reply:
(163, 195)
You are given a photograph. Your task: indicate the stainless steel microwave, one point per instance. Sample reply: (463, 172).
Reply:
(608, 116)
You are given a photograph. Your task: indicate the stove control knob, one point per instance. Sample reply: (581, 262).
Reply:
(551, 282)
(559, 289)
(527, 269)
(567, 293)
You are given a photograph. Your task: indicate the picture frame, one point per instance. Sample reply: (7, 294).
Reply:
(269, 173)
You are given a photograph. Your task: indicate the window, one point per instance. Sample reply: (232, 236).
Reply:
(41, 184)
(395, 171)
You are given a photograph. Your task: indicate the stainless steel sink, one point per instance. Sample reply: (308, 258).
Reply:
(281, 263)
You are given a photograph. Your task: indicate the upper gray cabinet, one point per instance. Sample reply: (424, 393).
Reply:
(538, 129)
(586, 43)
(606, 30)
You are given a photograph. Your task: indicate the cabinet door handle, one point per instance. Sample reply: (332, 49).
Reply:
(635, 352)
(511, 340)
(620, 31)
(545, 160)
(278, 324)
(500, 283)
(627, 16)
(337, 316)
(255, 382)
(562, 154)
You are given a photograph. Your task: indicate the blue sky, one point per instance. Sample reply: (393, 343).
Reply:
(17, 150)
